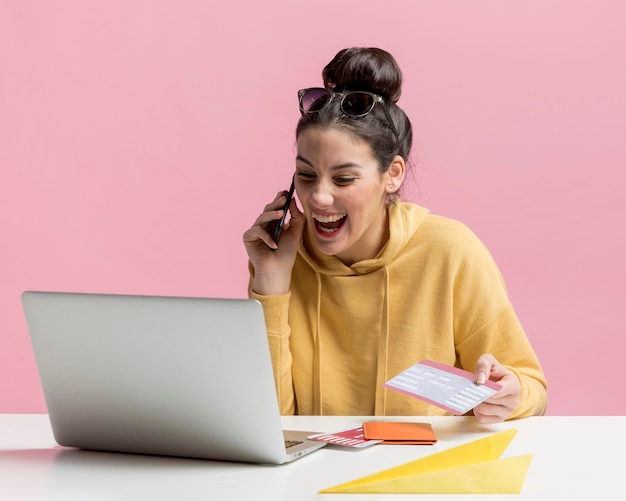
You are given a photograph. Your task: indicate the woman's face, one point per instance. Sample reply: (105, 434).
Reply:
(342, 193)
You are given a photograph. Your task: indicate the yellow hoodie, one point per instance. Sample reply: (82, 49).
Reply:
(433, 292)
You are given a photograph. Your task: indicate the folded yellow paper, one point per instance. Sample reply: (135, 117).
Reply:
(470, 468)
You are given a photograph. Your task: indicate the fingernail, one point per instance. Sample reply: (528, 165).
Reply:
(481, 377)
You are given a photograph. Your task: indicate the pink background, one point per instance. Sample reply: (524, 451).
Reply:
(139, 139)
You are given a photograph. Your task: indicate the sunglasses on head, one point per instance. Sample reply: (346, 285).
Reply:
(354, 103)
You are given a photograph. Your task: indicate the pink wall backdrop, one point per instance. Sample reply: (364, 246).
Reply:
(140, 138)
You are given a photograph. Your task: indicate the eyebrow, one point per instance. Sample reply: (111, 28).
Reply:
(334, 167)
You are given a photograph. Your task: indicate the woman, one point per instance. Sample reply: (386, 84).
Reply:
(362, 286)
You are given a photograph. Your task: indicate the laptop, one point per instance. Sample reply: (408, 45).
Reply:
(173, 376)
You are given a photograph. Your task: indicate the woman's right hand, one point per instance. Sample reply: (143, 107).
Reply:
(273, 264)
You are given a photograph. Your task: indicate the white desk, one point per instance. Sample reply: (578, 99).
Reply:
(574, 458)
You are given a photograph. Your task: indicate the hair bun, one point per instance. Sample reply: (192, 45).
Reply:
(364, 68)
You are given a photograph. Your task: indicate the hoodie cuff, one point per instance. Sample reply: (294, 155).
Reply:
(276, 310)
(533, 396)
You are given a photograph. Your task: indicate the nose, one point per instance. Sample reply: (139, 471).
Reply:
(322, 195)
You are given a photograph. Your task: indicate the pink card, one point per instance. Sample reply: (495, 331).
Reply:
(450, 388)
(347, 438)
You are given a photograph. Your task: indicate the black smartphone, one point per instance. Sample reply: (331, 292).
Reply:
(276, 227)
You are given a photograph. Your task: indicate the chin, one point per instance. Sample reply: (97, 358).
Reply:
(328, 246)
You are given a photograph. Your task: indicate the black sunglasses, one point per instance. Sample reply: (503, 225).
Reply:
(354, 103)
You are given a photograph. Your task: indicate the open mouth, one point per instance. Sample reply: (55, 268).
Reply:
(329, 225)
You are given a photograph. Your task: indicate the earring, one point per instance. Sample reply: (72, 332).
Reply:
(390, 186)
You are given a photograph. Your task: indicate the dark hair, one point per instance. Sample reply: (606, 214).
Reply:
(371, 70)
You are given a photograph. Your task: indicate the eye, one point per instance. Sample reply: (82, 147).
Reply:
(344, 180)
(306, 176)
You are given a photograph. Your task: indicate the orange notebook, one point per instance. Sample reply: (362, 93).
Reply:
(399, 433)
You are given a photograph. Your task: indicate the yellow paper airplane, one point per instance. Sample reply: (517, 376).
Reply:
(474, 467)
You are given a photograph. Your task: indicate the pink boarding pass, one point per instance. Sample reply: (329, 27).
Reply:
(450, 388)
(346, 438)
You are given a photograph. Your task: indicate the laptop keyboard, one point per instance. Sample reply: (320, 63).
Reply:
(291, 443)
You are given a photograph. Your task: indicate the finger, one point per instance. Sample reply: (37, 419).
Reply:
(278, 202)
(257, 235)
(267, 217)
(502, 397)
(493, 412)
(484, 367)
(490, 418)
(483, 370)
(295, 213)
(259, 230)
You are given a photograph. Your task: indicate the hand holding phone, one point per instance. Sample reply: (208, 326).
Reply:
(276, 227)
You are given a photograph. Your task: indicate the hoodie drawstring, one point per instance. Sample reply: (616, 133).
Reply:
(317, 358)
(380, 403)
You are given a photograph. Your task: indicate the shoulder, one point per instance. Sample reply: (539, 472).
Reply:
(437, 230)
(443, 230)
(439, 239)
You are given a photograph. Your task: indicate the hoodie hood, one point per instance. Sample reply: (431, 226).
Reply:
(404, 221)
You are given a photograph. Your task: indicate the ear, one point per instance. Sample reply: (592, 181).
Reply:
(395, 174)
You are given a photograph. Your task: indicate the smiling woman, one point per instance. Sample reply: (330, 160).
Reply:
(342, 192)
(363, 285)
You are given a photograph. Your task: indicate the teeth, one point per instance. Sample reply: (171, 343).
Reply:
(328, 219)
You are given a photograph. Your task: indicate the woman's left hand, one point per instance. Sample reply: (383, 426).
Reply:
(501, 405)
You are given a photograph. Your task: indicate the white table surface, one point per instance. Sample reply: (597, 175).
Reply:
(574, 458)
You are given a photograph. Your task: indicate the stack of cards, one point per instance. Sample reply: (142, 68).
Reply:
(377, 432)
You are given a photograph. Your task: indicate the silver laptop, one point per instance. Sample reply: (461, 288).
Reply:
(189, 377)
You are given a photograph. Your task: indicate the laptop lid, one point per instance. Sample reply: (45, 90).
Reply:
(188, 377)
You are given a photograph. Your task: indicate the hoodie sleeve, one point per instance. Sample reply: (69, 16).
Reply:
(487, 323)
(276, 310)
(504, 338)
